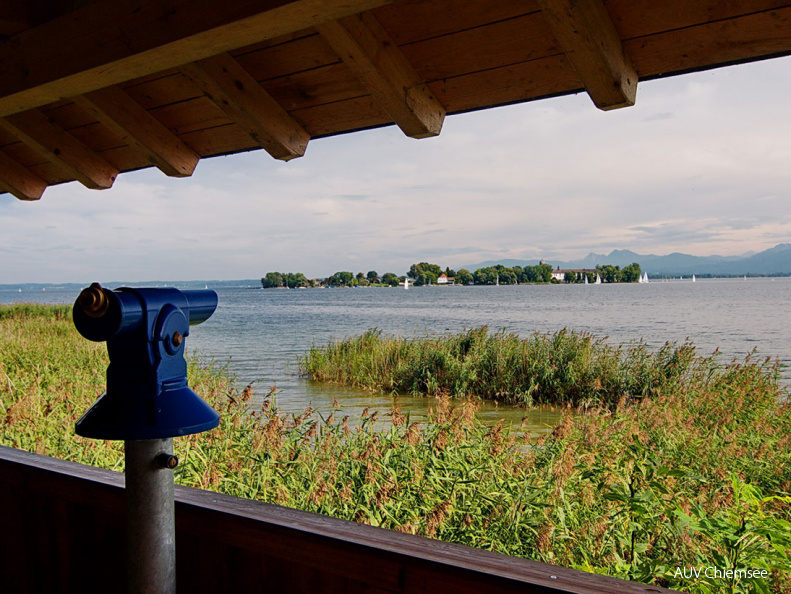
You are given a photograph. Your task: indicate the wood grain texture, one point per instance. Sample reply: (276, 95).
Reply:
(466, 55)
(136, 126)
(19, 181)
(587, 34)
(63, 532)
(238, 94)
(36, 130)
(59, 58)
(370, 53)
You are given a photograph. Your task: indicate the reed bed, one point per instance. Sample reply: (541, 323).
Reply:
(695, 474)
(564, 368)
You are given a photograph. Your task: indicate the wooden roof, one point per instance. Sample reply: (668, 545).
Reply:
(94, 88)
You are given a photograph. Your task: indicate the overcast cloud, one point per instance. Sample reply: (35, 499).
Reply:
(700, 165)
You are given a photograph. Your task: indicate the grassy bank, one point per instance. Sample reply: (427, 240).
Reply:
(696, 474)
(565, 368)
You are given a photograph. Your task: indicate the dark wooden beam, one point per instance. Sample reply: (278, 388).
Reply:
(366, 48)
(122, 115)
(107, 43)
(587, 34)
(240, 96)
(18, 180)
(56, 145)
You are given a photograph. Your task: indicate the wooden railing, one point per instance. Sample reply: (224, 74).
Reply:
(62, 531)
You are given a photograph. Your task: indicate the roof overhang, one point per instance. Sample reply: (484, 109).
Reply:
(114, 86)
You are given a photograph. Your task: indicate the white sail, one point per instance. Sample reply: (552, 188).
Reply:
(586, 279)
(406, 282)
(693, 278)
(598, 279)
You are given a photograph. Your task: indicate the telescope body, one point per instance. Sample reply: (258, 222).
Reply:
(145, 329)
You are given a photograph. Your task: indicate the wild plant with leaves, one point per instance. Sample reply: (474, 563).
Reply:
(690, 469)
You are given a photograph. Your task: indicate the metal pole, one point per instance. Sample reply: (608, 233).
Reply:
(150, 518)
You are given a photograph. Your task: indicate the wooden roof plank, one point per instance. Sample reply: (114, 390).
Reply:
(711, 45)
(37, 131)
(240, 96)
(19, 181)
(366, 48)
(123, 116)
(59, 58)
(588, 36)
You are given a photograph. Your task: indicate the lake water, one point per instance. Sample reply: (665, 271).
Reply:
(260, 334)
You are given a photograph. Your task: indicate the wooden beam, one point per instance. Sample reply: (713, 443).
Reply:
(18, 180)
(366, 48)
(124, 116)
(592, 45)
(106, 43)
(58, 146)
(240, 96)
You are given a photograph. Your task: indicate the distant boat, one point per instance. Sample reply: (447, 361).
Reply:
(20, 290)
(645, 277)
(206, 287)
(693, 278)
(586, 279)
(745, 278)
(497, 283)
(406, 283)
(598, 279)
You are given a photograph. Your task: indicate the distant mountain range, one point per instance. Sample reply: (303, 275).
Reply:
(776, 260)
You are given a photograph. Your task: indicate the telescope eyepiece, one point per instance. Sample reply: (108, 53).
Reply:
(93, 302)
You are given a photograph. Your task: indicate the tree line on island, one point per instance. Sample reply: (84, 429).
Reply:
(424, 273)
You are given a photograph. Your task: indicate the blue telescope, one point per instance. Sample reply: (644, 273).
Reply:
(147, 394)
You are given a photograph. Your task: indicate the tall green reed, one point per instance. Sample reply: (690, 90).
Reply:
(564, 368)
(694, 472)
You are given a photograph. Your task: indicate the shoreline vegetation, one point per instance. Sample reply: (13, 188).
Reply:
(562, 369)
(425, 274)
(690, 469)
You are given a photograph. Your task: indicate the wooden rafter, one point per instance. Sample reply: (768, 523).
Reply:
(366, 48)
(54, 143)
(592, 45)
(240, 96)
(19, 181)
(59, 59)
(123, 116)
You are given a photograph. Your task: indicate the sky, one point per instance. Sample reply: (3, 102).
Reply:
(700, 165)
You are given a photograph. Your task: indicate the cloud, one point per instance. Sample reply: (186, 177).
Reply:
(693, 167)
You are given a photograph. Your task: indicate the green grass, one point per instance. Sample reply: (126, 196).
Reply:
(695, 472)
(564, 368)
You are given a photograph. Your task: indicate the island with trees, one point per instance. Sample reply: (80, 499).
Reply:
(425, 273)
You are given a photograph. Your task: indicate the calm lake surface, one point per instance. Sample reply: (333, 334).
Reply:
(260, 334)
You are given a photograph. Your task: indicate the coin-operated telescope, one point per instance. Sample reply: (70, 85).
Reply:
(147, 403)
(147, 393)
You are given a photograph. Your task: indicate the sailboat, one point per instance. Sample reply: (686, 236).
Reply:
(406, 282)
(586, 279)
(497, 283)
(645, 277)
(693, 278)
(598, 279)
